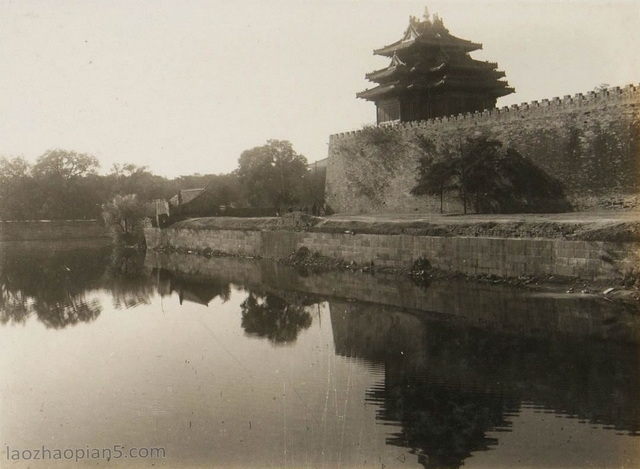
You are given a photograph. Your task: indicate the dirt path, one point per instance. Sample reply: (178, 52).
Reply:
(586, 226)
(573, 217)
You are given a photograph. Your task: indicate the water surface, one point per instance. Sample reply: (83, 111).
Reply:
(235, 363)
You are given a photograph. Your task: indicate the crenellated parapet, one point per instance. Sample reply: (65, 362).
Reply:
(589, 141)
(625, 98)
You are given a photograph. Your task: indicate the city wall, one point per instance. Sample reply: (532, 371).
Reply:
(590, 142)
(503, 257)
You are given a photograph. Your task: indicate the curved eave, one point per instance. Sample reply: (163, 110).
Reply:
(388, 73)
(391, 49)
(475, 65)
(427, 86)
(470, 73)
(504, 92)
(481, 70)
(377, 92)
(494, 87)
(449, 41)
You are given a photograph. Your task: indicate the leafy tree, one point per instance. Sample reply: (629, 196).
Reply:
(495, 178)
(16, 189)
(480, 174)
(12, 169)
(129, 178)
(124, 217)
(65, 166)
(312, 187)
(271, 174)
(225, 188)
(434, 177)
(58, 175)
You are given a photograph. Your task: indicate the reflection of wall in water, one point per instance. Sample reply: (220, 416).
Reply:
(495, 307)
(591, 379)
(378, 334)
(459, 349)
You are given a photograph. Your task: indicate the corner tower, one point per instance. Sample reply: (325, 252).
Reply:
(432, 75)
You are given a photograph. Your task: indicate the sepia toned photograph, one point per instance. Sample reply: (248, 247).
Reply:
(319, 234)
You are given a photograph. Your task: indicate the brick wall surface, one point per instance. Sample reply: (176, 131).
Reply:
(503, 257)
(590, 142)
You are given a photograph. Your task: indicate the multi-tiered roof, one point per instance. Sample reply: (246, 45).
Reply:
(431, 74)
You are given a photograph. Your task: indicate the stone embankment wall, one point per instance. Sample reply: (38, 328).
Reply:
(590, 142)
(52, 230)
(501, 257)
(487, 306)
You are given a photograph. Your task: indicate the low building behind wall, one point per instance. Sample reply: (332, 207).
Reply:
(590, 142)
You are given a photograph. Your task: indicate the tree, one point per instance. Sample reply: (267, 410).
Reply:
(124, 217)
(498, 179)
(15, 185)
(479, 172)
(65, 166)
(313, 186)
(434, 177)
(129, 178)
(12, 169)
(271, 174)
(58, 175)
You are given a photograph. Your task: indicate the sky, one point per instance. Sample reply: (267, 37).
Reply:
(185, 86)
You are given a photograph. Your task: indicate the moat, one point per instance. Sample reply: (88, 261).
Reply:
(228, 362)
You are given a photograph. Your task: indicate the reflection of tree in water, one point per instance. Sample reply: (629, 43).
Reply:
(49, 284)
(62, 312)
(14, 305)
(442, 425)
(274, 318)
(127, 278)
